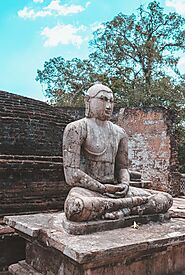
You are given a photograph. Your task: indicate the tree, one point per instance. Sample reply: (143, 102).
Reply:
(132, 54)
(64, 80)
(139, 50)
(67, 80)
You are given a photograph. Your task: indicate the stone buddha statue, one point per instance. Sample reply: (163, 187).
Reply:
(95, 156)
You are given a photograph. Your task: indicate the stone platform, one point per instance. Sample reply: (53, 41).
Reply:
(90, 227)
(154, 248)
(178, 208)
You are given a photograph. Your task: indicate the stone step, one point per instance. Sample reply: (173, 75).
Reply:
(22, 268)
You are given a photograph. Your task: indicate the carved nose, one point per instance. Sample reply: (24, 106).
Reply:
(108, 106)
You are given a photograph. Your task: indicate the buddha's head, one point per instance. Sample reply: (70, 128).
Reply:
(99, 102)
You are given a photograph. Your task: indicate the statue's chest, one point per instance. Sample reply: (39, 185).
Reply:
(100, 142)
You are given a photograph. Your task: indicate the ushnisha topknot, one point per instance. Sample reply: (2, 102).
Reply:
(96, 88)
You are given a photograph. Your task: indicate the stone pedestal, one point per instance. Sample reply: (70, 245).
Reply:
(154, 248)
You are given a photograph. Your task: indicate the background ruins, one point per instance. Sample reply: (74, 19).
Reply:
(31, 172)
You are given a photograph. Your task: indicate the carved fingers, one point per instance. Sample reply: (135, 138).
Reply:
(110, 188)
(124, 191)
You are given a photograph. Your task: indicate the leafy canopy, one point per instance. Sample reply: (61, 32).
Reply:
(135, 55)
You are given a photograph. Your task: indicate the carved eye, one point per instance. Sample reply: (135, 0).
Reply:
(102, 98)
(105, 99)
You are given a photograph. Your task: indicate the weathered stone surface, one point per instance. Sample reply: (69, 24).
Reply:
(178, 208)
(30, 225)
(155, 248)
(154, 130)
(30, 127)
(4, 229)
(82, 228)
(153, 146)
(96, 166)
(12, 246)
(182, 184)
(22, 268)
(28, 122)
(48, 229)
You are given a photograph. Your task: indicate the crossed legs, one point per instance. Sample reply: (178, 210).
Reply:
(85, 205)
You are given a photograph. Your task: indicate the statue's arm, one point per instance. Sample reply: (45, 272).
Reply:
(122, 164)
(74, 136)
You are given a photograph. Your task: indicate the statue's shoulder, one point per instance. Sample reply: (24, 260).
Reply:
(118, 130)
(79, 126)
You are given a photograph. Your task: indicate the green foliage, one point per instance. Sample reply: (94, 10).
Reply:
(135, 56)
(64, 80)
(67, 80)
(139, 50)
(132, 54)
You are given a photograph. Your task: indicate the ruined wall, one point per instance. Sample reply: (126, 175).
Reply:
(29, 127)
(31, 173)
(152, 146)
(31, 184)
(74, 112)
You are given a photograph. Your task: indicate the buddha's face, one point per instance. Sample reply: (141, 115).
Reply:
(101, 106)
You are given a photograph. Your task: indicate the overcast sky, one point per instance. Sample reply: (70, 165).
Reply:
(33, 31)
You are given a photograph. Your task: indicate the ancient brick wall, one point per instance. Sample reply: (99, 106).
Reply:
(31, 184)
(31, 172)
(29, 127)
(153, 146)
(75, 113)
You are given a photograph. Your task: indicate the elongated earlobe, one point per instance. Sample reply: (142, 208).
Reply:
(87, 106)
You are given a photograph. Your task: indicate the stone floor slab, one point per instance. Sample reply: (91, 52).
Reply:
(48, 229)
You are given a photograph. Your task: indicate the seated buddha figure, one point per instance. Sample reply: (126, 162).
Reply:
(95, 157)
